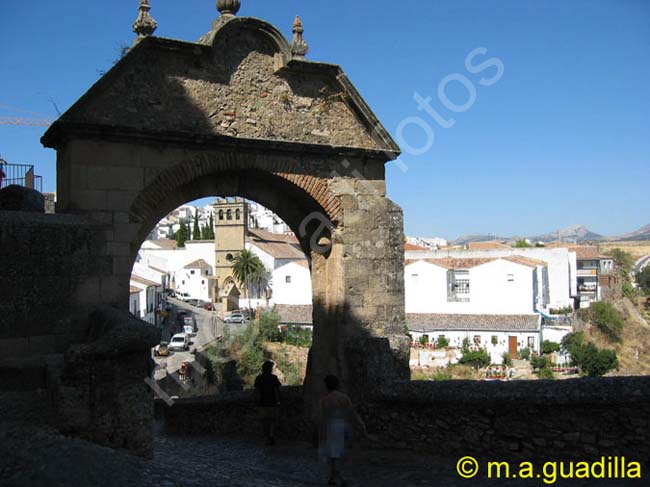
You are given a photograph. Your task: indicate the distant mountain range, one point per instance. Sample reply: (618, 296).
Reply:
(572, 234)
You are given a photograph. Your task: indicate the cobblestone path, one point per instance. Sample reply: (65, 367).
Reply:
(36, 458)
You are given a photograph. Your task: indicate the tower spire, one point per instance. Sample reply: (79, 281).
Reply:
(144, 25)
(228, 7)
(299, 46)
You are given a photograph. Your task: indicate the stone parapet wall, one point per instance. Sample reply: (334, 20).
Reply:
(47, 266)
(235, 413)
(531, 420)
(544, 420)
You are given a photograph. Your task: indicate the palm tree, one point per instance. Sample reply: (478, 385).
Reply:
(245, 267)
(261, 280)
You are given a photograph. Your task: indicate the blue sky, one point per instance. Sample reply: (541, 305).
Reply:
(561, 138)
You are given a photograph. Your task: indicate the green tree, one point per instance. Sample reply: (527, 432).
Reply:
(595, 362)
(622, 259)
(196, 231)
(476, 358)
(246, 269)
(522, 244)
(270, 327)
(210, 228)
(550, 347)
(592, 361)
(607, 319)
(298, 336)
(545, 374)
(643, 279)
(181, 236)
(540, 362)
(507, 359)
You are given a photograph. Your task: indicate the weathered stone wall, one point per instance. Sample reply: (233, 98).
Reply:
(533, 420)
(100, 393)
(235, 413)
(47, 262)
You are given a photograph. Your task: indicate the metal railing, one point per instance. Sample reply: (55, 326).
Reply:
(21, 175)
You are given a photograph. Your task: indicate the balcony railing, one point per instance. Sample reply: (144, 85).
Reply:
(21, 175)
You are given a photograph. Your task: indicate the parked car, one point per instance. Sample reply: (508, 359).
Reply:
(161, 350)
(180, 341)
(200, 303)
(235, 317)
(209, 307)
(188, 330)
(192, 302)
(191, 322)
(183, 296)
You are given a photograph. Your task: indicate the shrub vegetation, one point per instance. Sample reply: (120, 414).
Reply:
(607, 319)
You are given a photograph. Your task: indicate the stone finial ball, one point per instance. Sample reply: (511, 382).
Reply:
(228, 6)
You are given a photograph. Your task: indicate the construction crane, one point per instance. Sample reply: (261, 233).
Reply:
(39, 120)
(30, 122)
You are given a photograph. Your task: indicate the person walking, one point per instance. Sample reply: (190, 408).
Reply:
(337, 415)
(267, 386)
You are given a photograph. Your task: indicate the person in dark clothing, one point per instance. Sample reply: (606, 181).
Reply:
(267, 386)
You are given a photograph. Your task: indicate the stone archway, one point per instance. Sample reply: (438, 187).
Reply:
(237, 114)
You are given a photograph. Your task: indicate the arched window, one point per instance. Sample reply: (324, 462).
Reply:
(237, 214)
(228, 214)
(220, 214)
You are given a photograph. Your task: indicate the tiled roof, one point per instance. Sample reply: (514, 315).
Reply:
(142, 280)
(453, 263)
(198, 264)
(527, 261)
(412, 247)
(458, 322)
(277, 237)
(165, 243)
(157, 269)
(276, 245)
(493, 245)
(583, 252)
(294, 314)
(468, 263)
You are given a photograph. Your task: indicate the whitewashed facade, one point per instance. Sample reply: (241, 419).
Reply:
(560, 263)
(475, 286)
(194, 279)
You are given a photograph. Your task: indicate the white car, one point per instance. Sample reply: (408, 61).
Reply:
(189, 330)
(180, 341)
(235, 318)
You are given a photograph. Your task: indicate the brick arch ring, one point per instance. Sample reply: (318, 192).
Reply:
(151, 198)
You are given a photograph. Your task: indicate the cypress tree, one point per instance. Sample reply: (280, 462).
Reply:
(196, 233)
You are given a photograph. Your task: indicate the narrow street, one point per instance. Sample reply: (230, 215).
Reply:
(209, 325)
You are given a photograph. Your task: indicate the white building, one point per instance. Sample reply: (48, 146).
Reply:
(286, 262)
(264, 219)
(496, 333)
(164, 256)
(498, 286)
(560, 263)
(494, 302)
(428, 243)
(292, 284)
(195, 280)
(149, 299)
